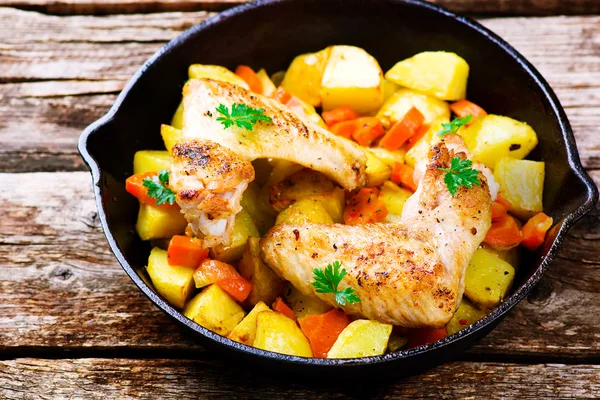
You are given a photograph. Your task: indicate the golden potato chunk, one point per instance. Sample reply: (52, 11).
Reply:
(266, 285)
(304, 211)
(245, 331)
(267, 84)
(243, 228)
(522, 185)
(177, 120)
(488, 279)
(277, 333)
(215, 310)
(170, 136)
(174, 283)
(150, 161)
(159, 223)
(389, 88)
(377, 171)
(300, 185)
(352, 77)
(362, 338)
(303, 77)
(437, 73)
(251, 203)
(304, 305)
(394, 197)
(466, 315)
(216, 72)
(389, 157)
(334, 203)
(396, 107)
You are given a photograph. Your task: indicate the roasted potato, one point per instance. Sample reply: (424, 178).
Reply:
(421, 148)
(159, 223)
(150, 161)
(396, 342)
(303, 77)
(170, 136)
(389, 88)
(403, 100)
(362, 338)
(267, 84)
(437, 73)
(214, 309)
(511, 256)
(494, 137)
(352, 77)
(216, 72)
(276, 332)
(334, 203)
(466, 314)
(177, 120)
(304, 211)
(174, 283)
(300, 185)
(488, 279)
(377, 171)
(281, 170)
(389, 157)
(245, 331)
(243, 229)
(302, 304)
(522, 185)
(266, 285)
(394, 197)
(250, 202)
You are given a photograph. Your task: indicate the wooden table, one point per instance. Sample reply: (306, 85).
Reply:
(73, 325)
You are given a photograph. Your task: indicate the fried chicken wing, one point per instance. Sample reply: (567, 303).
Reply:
(410, 273)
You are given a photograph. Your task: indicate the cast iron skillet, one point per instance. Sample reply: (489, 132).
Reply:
(269, 33)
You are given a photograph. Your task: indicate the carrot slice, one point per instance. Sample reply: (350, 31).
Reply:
(402, 174)
(223, 275)
(403, 130)
(344, 128)
(248, 75)
(504, 233)
(499, 210)
(322, 330)
(238, 288)
(186, 251)
(340, 114)
(420, 336)
(368, 129)
(135, 186)
(462, 108)
(534, 231)
(364, 207)
(417, 136)
(282, 95)
(280, 306)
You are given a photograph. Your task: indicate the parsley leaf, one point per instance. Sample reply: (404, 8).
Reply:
(459, 174)
(453, 126)
(157, 188)
(241, 115)
(326, 280)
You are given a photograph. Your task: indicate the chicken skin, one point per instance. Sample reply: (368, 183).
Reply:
(409, 273)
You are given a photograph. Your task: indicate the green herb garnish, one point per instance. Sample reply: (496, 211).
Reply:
(459, 174)
(157, 188)
(327, 281)
(241, 115)
(453, 126)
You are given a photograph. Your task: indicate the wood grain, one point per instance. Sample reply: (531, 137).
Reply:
(58, 74)
(507, 7)
(61, 286)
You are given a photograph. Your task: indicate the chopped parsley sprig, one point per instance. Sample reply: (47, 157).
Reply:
(326, 280)
(453, 125)
(459, 174)
(157, 188)
(241, 115)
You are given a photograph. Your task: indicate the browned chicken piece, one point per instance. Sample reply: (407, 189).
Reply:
(410, 273)
(209, 180)
(289, 137)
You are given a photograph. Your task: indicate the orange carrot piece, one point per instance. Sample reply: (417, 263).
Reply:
(344, 128)
(238, 288)
(417, 136)
(403, 130)
(402, 174)
(504, 233)
(282, 95)
(462, 108)
(499, 210)
(503, 201)
(534, 231)
(135, 186)
(186, 251)
(340, 114)
(250, 77)
(368, 129)
(420, 336)
(322, 330)
(280, 306)
(364, 207)
(224, 276)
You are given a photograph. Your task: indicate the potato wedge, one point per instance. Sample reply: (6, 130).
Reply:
(334, 203)
(352, 77)
(177, 120)
(466, 315)
(216, 72)
(266, 285)
(394, 197)
(170, 136)
(300, 185)
(389, 157)
(303, 77)
(250, 202)
(243, 228)
(488, 279)
(277, 333)
(174, 283)
(403, 100)
(522, 185)
(421, 148)
(245, 331)
(304, 305)
(151, 161)
(362, 338)
(304, 211)
(215, 310)
(437, 73)
(494, 137)
(267, 84)
(377, 171)
(159, 223)
(511, 256)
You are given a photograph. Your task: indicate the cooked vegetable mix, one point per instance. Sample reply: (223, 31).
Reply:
(356, 148)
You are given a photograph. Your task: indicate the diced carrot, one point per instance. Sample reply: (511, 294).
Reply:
(364, 207)
(499, 210)
(420, 336)
(402, 174)
(344, 128)
(281, 95)
(248, 75)
(186, 251)
(504, 233)
(503, 201)
(534, 231)
(368, 130)
(223, 275)
(343, 113)
(417, 136)
(135, 186)
(322, 330)
(403, 130)
(280, 306)
(462, 108)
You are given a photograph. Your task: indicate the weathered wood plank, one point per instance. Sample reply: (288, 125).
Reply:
(509, 7)
(84, 61)
(61, 286)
